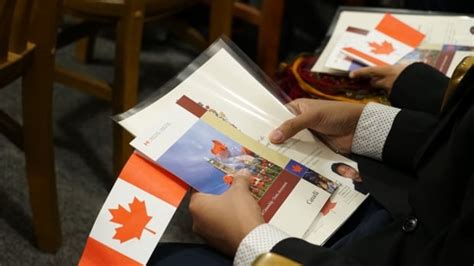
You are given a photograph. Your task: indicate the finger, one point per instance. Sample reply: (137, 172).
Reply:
(289, 128)
(294, 107)
(379, 83)
(197, 203)
(192, 190)
(241, 181)
(367, 72)
(362, 72)
(243, 172)
(198, 197)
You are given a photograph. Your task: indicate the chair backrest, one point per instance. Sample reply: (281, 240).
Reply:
(25, 25)
(458, 74)
(268, 18)
(14, 21)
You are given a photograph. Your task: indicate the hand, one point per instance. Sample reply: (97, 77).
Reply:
(225, 220)
(334, 122)
(380, 76)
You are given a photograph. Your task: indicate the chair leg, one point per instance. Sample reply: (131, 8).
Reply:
(84, 49)
(220, 21)
(269, 35)
(39, 151)
(125, 89)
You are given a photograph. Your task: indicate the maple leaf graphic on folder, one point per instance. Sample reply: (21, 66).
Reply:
(384, 48)
(328, 206)
(133, 222)
(296, 168)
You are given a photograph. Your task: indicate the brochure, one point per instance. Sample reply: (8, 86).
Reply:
(215, 121)
(389, 42)
(207, 152)
(340, 61)
(440, 29)
(224, 80)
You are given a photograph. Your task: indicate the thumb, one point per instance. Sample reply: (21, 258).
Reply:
(241, 179)
(289, 128)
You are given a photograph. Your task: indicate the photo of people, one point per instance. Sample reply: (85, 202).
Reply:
(261, 173)
(208, 161)
(320, 181)
(347, 171)
(311, 176)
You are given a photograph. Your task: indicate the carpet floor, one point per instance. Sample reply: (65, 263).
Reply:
(83, 150)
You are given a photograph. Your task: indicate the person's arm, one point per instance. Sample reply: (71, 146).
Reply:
(419, 87)
(374, 130)
(392, 135)
(260, 240)
(408, 135)
(451, 245)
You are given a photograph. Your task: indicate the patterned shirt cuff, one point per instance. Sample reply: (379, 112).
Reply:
(258, 241)
(372, 130)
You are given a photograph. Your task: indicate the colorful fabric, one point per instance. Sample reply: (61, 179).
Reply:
(298, 81)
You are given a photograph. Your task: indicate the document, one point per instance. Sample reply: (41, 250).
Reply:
(212, 125)
(231, 89)
(439, 30)
(386, 44)
(207, 152)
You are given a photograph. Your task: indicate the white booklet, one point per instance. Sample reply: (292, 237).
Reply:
(222, 80)
(205, 151)
(386, 44)
(440, 29)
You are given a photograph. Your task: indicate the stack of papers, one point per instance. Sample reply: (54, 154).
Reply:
(211, 125)
(386, 44)
(447, 40)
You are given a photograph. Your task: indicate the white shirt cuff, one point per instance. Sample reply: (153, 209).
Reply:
(258, 241)
(372, 130)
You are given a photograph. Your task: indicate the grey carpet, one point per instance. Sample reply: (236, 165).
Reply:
(83, 149)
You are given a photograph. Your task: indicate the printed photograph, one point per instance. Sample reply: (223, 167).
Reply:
(427, 56)
(208, 161)
(349, 172)
(311, 176)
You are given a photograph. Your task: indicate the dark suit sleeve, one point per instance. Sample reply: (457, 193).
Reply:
(452, 245)
(419, 87)
(410, 130)
(455, 243)
(308, 254)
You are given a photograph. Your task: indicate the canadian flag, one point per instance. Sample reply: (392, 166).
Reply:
(389, 42)
(134, 216)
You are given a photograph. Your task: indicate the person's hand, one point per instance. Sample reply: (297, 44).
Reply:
(380, 76)
(225, 220)
(334, 122)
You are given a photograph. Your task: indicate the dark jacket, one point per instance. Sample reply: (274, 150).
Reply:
(426, 181)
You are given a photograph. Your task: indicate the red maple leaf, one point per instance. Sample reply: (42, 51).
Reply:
(133, 222)
(296, 168)
(327, 207)
(384, 48)
(228, 179)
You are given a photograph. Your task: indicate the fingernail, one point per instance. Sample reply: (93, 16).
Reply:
(276, 135)
(351, 74)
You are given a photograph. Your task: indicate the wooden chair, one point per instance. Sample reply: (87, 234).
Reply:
(458, 74)
(130, 15)
(268, 18)
(31, 57)
(270, 258)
